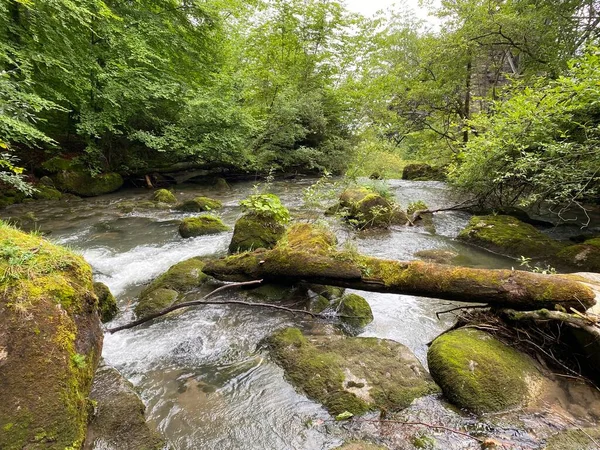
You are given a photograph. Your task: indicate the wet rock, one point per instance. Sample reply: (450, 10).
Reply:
(46, 181)
(50, 343)
(329, 292)
(107, 304)
(509, 236)
(10, 197)
(170, 286)
(164, 196)
(85, 185)
(46, 193)
(200, 226)
(480, 373)
(355, 312)
(585, 255)
(252, 231)
(128, 206)
(423, 172)
(437, 256)
(364, 208)
(318, 304)
(118, 421)
(351, 374)
(578, 439)
(200, 204)
(222, 184)
(360, 445)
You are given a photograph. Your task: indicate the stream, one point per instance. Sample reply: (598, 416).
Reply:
(202, 373)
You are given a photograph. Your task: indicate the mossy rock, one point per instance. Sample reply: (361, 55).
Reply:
(118, 421)
(319, 304)
(423, 172)
(200, 204)
(50, 343)
(360, 445)
(85, 185)
(577, 439)
(164, 196)
(59, 164)
(170, 286)
(252, 232)
(351, 374)
(364, 208)
(585, 255)
(479, 373)
(46, 193)
(509, 236)
(437, 256)
(329, 292)
(357, 310)
(200, 226)
(10, 197)
(222, 184)
(107, 304)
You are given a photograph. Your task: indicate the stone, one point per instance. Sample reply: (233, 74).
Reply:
(164, 196)
(252, 232)
(200, 204)
(107, 304)
(423, 172)
(201, 225)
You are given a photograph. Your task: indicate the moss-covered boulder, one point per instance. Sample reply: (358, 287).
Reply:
(423, 172)
(107, 304)
(351, 374)
(252, 231)
(577, 439)
(509, 236)
(480, 373)
(329, 292)
(354, 311)
(164, 196)
(46, 193)
(200, 204)
(10, 196)
(221, 184)
(365, 208)
(50, 343)
(118, 421)
(200, 226)
(85, 185)
(585, 255)
(59, 164)
(170, 286)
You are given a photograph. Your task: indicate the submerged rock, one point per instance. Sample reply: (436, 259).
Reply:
(46, 193)
(367, 209)
(509, 236)
(128, 206)
(171, 285)
(107, 304)
(480, 373)
(355, 312)
(423, 172)
(164, 196)
(200, 204)
(252, 231)
(585, 255)
(50, 343)
(199, 226)
(437, 256)
(118, 421)
(351, 374)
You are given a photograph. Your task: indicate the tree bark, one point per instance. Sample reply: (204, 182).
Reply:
(512, 289)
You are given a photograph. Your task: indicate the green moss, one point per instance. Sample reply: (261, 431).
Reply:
(107, 304)
(52, 343)
(585, 256)
(83, 184)
(46, 193)
(199, 226)
(423, 172)
(330, 371)
(171, 285)
(329, 292)
(308, 237)
(164, 196)
(437, 256)
(10, 197)
(481, 374)
(366, 209)
(319, 304)
(360, 445)
(509, 236)
(252, 232)
(200, 204)
(58, 164)
(357, 310)
(577, 439)
(413, 207)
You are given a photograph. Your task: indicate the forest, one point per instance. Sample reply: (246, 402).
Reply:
(307, 86)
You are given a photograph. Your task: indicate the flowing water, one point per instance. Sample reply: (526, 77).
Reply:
(202, 373)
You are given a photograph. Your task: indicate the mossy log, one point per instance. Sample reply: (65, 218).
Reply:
(302, 257)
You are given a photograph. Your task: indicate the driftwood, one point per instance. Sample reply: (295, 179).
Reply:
(512, 289)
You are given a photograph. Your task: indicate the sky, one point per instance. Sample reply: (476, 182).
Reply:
(369, 7)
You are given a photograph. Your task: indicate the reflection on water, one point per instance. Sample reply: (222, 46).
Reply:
(202, 373)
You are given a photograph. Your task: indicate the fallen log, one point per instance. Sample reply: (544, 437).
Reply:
(301, 256)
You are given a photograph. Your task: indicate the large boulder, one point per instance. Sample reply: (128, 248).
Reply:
(354, 311)
(170, 286)
(509, 236)
(351, 374)
(479, 373)
(118, 421)
(365, 208)
(252, 231)
(50, 343)
(107, 304)
(423, 172)
(200, 204)
(81, 183)
(164, 196)
(201, 225)
(585, 255)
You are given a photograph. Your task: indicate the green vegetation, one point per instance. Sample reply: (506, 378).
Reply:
(164, 196)
(199, 226)
(199, 204)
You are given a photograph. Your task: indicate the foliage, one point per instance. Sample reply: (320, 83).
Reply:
(266, 205)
